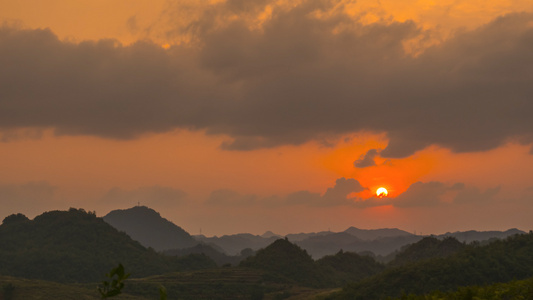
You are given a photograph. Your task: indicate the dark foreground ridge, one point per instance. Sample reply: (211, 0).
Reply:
(76, 246)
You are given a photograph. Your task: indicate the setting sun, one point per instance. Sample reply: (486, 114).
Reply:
(382, 192)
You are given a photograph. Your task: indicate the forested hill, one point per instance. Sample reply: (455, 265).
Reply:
(76, 246)
(427, 248)
(287, 259)
(147, 226)
(499, 261)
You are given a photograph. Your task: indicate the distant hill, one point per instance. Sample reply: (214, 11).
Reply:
(234, 244)
(499, 261)
(76, 246)
(220, 258)
(146, 226)
(328, 244)
(372, 234)
(472, 235)
(296, 237)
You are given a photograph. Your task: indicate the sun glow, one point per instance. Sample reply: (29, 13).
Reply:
(382, 192)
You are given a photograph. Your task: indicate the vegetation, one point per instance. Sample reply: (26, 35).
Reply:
(514, 290)
(146, 226)
(114, 286)
(346, 267)
(289, 260)
(500, 261)
(220, 258)
(427, 248)
(76, 246)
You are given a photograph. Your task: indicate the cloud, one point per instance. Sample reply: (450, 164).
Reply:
(474, 195)
(334, 196)
(225, 197)
(152, 196)
(366, 160)
(431, 194)
(419, 194)
(304, 71)
(422, 194)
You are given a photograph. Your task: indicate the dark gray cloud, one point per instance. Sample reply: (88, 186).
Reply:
(153, 196)
(422, 194)
(294, 79)
(366, 160)
(432, 194)
(338, 195)
(419, 194)
(334, 196)
(474, 195)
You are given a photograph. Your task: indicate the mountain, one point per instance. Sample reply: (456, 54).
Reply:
(76, 246)
(427, 248)
(287, 259)
(146, 226)
(296, 237)
(234, 244)
(498, 261)
(220, 258)
(472, 235)
(270, 234)
(328, 244)
(347, 267)
(372, 234)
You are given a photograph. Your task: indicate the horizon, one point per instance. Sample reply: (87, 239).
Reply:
(273, 115)
(282, 235)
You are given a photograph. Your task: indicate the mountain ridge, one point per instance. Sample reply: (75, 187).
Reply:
(149, 228)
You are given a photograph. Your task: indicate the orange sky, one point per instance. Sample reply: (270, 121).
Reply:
(58, 171)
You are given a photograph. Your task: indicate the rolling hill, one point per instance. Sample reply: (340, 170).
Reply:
(77, 246)
(146, 226)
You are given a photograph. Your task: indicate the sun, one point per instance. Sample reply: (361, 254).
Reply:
(382, 192)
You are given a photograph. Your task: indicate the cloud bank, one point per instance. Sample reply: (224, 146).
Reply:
(306, 71)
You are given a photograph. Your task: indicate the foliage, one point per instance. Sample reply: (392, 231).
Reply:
(500, 261)
(7, 291)
(114, 286)
(147, 226)
(427, 248)
(514, 290)
(345, 267)
(162, 293)
(76, 246)
(289, 260)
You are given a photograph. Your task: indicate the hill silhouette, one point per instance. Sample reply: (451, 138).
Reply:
(220, 258)
(235, 243)
(76, 246)
(372, 234)
(146, 226)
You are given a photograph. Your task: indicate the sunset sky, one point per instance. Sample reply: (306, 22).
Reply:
(233, 116)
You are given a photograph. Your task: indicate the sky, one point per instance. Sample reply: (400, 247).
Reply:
(230, 116)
